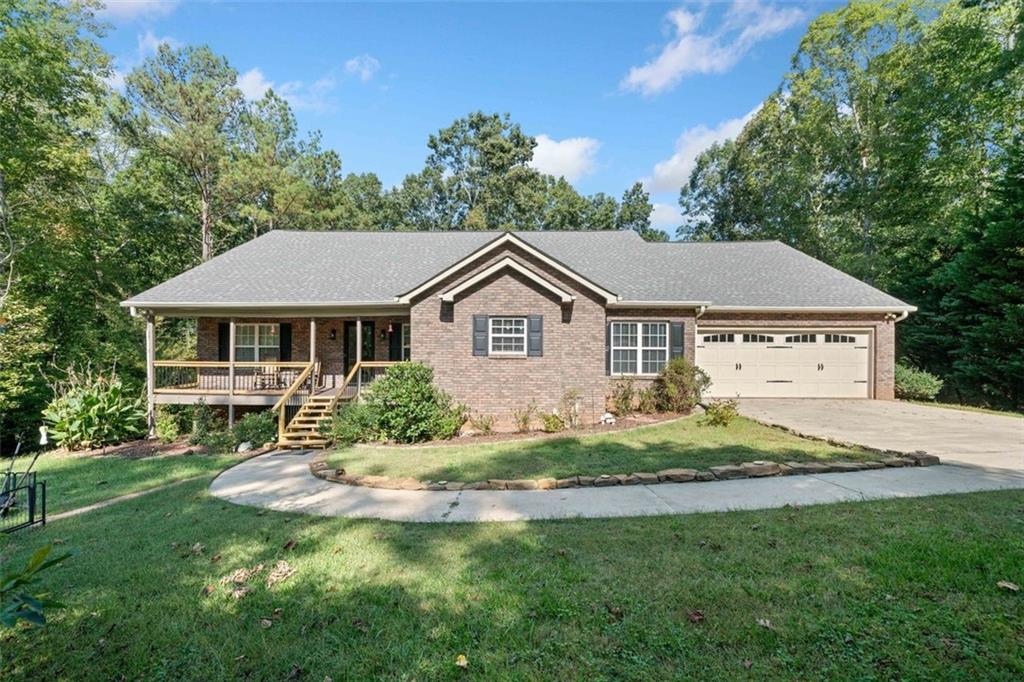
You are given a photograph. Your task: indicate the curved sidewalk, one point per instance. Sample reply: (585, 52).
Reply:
(281, 481)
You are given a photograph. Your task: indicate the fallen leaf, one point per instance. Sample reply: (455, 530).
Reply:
(289, 545)
(277, 612)
(215, 558)
(58, 541)
(197, 549)
(266, 622)
(614, 612)
(748, 664)
(241, 575)
(282, 571)
(360, 624)
(462, 661)
(1007, 585)
(240, 592)
(765, 623)
(696, 616)
(208, 590)
(240, 658)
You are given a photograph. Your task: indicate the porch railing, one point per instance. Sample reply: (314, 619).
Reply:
(212, 377)
(295, 397)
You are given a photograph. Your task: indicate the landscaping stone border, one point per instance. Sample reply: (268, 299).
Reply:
(757, 469)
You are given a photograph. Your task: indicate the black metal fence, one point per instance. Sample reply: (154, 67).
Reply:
(22, 501)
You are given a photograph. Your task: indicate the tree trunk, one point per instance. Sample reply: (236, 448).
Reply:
(206, 227)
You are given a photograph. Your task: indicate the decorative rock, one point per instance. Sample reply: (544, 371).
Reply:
(572, 482)
(728, 471)
(677, 475)
(317, 466)
(608, 418)
(351, 479)
(244, 447)
(705, 476)
(269, 445)
(785, 470)
(846, 466)
(436, 486)
(522, 484)
(898, 462)
(454, 485)
(547, 483)
(605, 480)
(585, 481)
(410, 484)
(374, 481)
(646, 477)
(477, 485)
(874, 465)
(627, 479)
(497, 484)
(760, 468)
(807, 467)
(923, 459)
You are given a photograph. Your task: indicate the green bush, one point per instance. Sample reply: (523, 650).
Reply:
(623, 396)
(219, 441)
(483, 423)
(256, 428)
(647, 403)
(204, 422)
(92, 410)
(552, 423)
(404, 406)
(720, 412)
(679, 385)
(916, 384)
(167, 427)
(524, 417)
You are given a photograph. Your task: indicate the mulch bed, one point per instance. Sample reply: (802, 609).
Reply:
(138, 449)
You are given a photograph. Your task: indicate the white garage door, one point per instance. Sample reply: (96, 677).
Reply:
(759, 363)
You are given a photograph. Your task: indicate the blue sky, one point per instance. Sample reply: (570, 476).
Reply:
(615, 93)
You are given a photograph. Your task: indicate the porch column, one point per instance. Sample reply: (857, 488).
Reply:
(312, 339)
(359, 354)
(231, 373)
(151, 375)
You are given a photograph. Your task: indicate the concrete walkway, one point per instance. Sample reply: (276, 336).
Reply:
(282, 482)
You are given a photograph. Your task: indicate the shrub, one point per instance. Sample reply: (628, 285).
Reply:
(623, 395)
(679, 385)
(552, 423)
(92, 410)
(167, 427)
(219, 441)
(720, 412)
(256, 428)
(204, 422)
(916, 384)
(570, 409)
(647, 402)
(351, 423)
(483, 423)
(524, 417)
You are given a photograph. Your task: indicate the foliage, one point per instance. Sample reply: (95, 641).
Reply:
(23, 353)
(353, 422)
(679, 386)
(90, 410)
(623, 397)
(523, 417)
(167, 428)
(16, 603)
(570, 407)
(483, 423)
(647, 401)
(552, 422)
(204, 423)
(720, 412)
(256, 428)
(916, 384)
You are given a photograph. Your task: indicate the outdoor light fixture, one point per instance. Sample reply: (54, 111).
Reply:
(333, 335)
(43, 436)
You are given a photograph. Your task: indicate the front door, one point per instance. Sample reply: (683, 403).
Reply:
(349, 358)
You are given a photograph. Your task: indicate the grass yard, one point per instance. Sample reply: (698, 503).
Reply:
(880, 590)
(967, 408)
(77, 480)
(683, 443)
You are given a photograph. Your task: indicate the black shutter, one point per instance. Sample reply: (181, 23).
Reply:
(395, 342)
(479, 335)
(535, 336)
(284, 337)
(676, 342)
(608, 349)
(223, 341)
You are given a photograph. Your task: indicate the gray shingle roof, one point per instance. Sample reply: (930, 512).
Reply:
(312, 268)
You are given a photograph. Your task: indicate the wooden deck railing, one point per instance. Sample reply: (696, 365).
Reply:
(214, 377)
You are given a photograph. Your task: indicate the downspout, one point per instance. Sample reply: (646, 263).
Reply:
(700, 311)
(902, 316)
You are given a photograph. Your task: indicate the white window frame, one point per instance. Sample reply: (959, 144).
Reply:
(257, 335)
(406, 341)
(491, 336)
(639, 347)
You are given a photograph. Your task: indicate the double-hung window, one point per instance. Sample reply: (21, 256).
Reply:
(639, 347)
(406, 341)
(507, 336)
(257, 343)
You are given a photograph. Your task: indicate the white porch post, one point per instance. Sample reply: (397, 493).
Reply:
(151, 374)
(359, 355)
(312, 339)
(231, 373)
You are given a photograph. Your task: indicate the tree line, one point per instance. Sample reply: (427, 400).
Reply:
(892, 150)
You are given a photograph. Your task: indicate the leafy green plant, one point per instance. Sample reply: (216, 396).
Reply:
(218, 442)
(90, 410)
(483, 423)
(353, 422)
(720, 412)
(647, 401)
(256, 428)
(17, 603)
(623, 397)
(570, 409)
(204, 422)
(552, 422)
(523, 417)
(916, 384)
(167, 426)
(679, 385)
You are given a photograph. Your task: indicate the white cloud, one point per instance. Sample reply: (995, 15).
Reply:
(148, 43)
(115, 81)
(253, 84)
(128, 10)
(315, 96)
(744, 24)
(572, 157)
(666, 216)
(364, 66)
(674, 172)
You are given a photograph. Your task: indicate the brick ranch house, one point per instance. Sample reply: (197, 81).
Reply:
(508, 318)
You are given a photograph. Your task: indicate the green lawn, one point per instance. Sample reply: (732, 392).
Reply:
(683, 443)
(879, 590)
(75, 481)
(967, 408)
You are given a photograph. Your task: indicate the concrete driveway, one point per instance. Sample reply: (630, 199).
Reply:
(956, 436)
